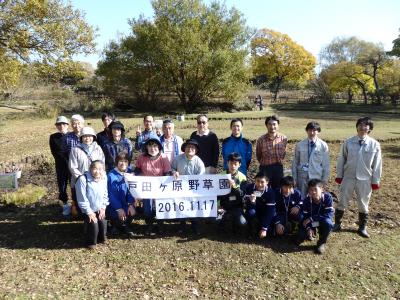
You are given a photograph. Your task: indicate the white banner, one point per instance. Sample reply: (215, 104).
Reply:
(178, 208)
(186, 186)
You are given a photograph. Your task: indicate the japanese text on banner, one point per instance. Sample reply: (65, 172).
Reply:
(164, 187)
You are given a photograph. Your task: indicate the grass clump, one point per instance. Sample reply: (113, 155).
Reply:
(26, 195)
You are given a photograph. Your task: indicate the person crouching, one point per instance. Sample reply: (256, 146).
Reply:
(260, 203)
(92, 196)
(317, 213)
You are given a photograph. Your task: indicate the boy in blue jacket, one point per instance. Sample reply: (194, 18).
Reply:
(122, 204)
(289, 203)
(260, 203)
(317, 213)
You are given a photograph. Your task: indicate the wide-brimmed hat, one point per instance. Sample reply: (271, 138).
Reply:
(191, 142)
(88, 131)
(153, 139)
(116, 125)
(61, 120)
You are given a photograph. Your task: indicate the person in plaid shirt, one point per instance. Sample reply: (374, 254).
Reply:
(271, 151)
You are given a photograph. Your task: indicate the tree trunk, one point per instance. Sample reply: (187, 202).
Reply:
(376, 84)
(350, 96)
(277, 88)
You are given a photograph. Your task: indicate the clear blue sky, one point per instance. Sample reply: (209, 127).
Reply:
(311, 23)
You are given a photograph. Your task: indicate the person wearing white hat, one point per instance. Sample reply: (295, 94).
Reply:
(83, 155)
(71, 139)
(55, 141)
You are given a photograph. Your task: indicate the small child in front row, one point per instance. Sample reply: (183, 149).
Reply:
(260, 204)
(317, 213)
(231, 205)
(288, 206)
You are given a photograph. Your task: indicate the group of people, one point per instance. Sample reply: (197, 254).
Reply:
(273, 204)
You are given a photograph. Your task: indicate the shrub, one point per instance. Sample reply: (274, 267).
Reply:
(26, 195)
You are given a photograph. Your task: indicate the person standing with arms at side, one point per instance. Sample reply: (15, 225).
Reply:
(171, 143)
(56, 140)
(311, 159)
(238, 144)
(117, 144)
(104, 136)
(271, 151)
(208, 144)
(359, 169)
(146, 134)
(71, 139)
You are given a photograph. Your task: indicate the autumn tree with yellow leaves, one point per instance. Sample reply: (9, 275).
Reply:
(277, 57)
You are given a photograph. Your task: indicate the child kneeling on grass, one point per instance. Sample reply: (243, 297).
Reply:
(317, 213)
(260, 203)
(231, 205)
(288, 206)
(92, 196)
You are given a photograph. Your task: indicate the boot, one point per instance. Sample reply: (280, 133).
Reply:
(338, 220)
(362, 224)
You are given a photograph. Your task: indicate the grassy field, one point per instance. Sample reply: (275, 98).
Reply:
(26, 136)
(41, 254)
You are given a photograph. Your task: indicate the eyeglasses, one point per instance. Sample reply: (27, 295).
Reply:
(201, 122)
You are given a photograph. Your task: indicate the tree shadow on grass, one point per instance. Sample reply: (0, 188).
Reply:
(38, 227)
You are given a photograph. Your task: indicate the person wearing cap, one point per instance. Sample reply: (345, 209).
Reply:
(311, 159)
(104, 136)
(71, 139)
(208, 144)
(55, 141)
(82, 155)
(117, 144)
(147, 133)
(271, 151)
(171, 143)
(238, 144)
(359, 170)
(152, 162)
(188, 163)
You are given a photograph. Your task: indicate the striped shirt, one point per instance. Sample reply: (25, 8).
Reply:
(271, 151)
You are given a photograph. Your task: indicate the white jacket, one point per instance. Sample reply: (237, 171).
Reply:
(360, 162)
(79, 161)
(318, 163)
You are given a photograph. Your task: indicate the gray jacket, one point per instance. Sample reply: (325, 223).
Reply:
(184, 166)
(317, 161)
(360, 162)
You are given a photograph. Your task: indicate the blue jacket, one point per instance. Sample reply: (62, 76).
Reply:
(239, 145)
(92, 195)
(118, 193)
(111, 150)
(264, 206)
(143, 137)
(291, 201)
(321, 211)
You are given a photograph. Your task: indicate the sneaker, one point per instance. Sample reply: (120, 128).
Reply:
(91, 247)
(66, 209)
